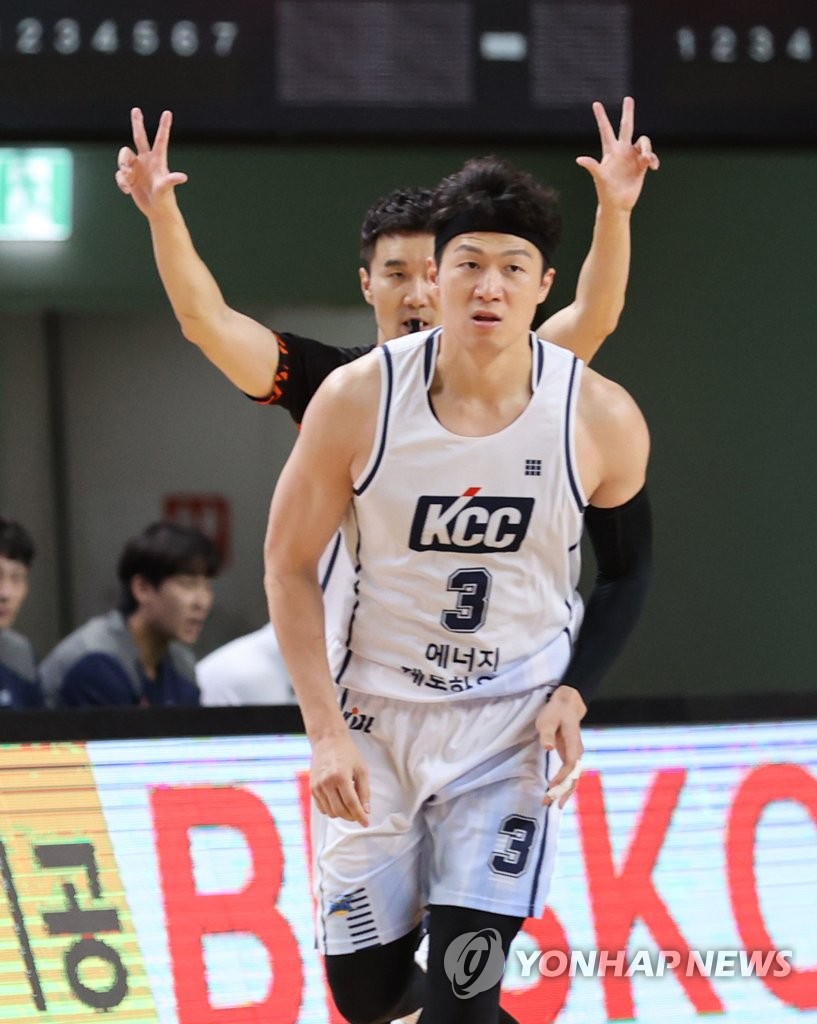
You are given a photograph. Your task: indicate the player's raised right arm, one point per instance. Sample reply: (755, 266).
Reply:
(244, 350)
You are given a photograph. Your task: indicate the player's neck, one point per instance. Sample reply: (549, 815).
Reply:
(477, 391)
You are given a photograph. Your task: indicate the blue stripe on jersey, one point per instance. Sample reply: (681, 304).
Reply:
(347, 658)
(332, 559)
(428, 358)
(568, 426)
(386, 412)
(542, 847)
(348, 643)
(538, 358)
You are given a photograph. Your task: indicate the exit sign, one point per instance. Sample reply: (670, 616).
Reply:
(36, 194)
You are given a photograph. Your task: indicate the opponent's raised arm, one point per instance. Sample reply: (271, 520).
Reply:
(600, 292)
(244, 350)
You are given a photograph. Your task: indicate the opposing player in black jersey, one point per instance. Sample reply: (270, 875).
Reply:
(396, 244)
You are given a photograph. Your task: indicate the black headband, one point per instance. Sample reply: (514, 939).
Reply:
(469, 221)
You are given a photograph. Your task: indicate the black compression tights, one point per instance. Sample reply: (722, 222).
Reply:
(377, 985)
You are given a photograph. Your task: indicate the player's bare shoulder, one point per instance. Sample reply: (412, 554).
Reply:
(352, 386)
(612, 438)
(604, 405)
(342, 415)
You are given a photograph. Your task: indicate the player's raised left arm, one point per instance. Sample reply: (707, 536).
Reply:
(618, 177)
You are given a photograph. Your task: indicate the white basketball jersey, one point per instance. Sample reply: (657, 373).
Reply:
(466, 548)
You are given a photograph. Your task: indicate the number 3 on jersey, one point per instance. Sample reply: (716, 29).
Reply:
(514, 840)
(473, 589)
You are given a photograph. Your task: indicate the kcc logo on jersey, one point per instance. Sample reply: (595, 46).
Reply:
(469, 523)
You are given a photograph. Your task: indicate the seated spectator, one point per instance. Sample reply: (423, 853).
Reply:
(137, 654)
(19, 683)
(248, 670)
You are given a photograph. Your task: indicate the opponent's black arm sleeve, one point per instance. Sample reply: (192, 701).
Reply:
(303, 365)
(622, 543)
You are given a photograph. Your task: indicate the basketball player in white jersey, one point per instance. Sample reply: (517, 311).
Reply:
(396, 241)
(281, 368)
(463, 463)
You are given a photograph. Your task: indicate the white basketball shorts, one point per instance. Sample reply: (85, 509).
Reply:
(456, 818)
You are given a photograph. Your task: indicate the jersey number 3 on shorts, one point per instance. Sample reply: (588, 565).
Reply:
(514, 840)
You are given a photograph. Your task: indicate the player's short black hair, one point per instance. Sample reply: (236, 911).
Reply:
(491, 190)
(164, 549)
(15, 542)
(405, 211)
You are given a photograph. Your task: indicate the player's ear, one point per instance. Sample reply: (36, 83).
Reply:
(432, 270)
(547, 283)
(366, 284)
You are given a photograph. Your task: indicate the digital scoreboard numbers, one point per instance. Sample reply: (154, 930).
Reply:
(725, 70)
(74, 70)
(388, 69)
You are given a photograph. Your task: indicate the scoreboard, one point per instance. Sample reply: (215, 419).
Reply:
(393, 69)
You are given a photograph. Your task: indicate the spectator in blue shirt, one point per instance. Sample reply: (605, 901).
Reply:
(19, 682)
(139, 654)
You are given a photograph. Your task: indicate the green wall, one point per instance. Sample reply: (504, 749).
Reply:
(716, 345)
(278, 225)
